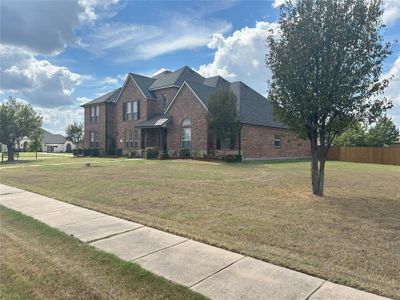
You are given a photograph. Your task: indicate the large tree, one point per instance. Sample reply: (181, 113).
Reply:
(17, 120)
(74, 133)
(222, 115)
(326, 62)
(35, 143)
(383, 133)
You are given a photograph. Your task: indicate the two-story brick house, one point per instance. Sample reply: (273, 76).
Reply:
(169, 111)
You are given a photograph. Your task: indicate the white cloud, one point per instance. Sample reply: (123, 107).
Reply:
(391, 11)
(38, 81)
(46, 27)
(159, 72)
(137, 41)
(393, 91)
(56, 119)
(241, 56)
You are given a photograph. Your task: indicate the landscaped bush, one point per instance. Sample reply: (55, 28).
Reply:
(163, 156)
(151, 153)
(85, 152)
(184, 153)
(132, 153)
(118, 152)
(80, 151)
(232, 158)
(94, 152)
(75, 152)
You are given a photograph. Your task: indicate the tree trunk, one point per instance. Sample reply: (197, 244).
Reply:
(321, 174)
(10, 152)
(314, 164)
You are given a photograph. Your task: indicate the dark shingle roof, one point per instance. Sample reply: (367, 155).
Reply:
(50, 138)
(253, 107)
(216, 81)
(176, 78)
(144, 83)
(109, 97)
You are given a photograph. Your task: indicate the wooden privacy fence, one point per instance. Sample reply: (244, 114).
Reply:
(377, 155)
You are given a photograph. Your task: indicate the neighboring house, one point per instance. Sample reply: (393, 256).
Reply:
(169, 111)
(50, 143)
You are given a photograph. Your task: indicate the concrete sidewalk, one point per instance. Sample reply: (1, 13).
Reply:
(214, 272)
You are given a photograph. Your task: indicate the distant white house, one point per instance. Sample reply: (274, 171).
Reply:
(50, 143)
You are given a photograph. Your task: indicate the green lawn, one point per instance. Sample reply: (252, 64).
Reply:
(262, 209)
(38, 262)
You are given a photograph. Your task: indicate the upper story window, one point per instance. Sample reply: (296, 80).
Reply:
(94, 114)
(186, 134)
(131, 111)
(164, 101)
(277, 141)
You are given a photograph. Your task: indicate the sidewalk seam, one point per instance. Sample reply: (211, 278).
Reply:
(314, 291)
(114, 234)
(227, 266)
(140, 257)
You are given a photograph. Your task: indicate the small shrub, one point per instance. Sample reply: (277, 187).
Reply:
(118, 152)
(79, 151)
(94, 152)
(86, 152)
(184, 153)
(132, 153)
(163, 156)
(75, 152)
(233, 158)
(151, 153)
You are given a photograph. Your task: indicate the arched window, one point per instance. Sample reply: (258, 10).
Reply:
(186, 134)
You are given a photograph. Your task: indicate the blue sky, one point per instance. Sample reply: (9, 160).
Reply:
(59, 54)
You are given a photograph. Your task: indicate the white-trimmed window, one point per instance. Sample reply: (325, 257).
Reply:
(94, 114)
(131, 138)
(131, 111)
(277, 141)
(94, 139)
(186, 134)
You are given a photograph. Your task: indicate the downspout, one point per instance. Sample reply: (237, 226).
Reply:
(105, 125)
(240, 139)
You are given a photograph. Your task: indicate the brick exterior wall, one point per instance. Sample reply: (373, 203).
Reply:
(130, 93)
(98, 127)
(186, 105)
(258, 142)
(169, 93)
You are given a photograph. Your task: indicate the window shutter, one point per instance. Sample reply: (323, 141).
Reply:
(138, 109)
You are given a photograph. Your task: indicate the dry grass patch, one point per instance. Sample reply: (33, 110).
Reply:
(38, 262)
(264, 210)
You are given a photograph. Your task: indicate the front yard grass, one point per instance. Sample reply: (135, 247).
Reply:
(262, 209)
(38, 262)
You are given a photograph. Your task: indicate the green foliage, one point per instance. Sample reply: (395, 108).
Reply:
(17, 120)
(74, 133)
(184, 153)
(94, 152)
(384, 132)
(354, 136)
(151, 153)
(232, 158)
(326, 65)
(222, 117)
(35, 143)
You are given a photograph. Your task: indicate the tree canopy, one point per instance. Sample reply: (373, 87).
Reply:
(17, 120)
(384, 132)
(74, 133)
(222, 115)
(326, 62)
